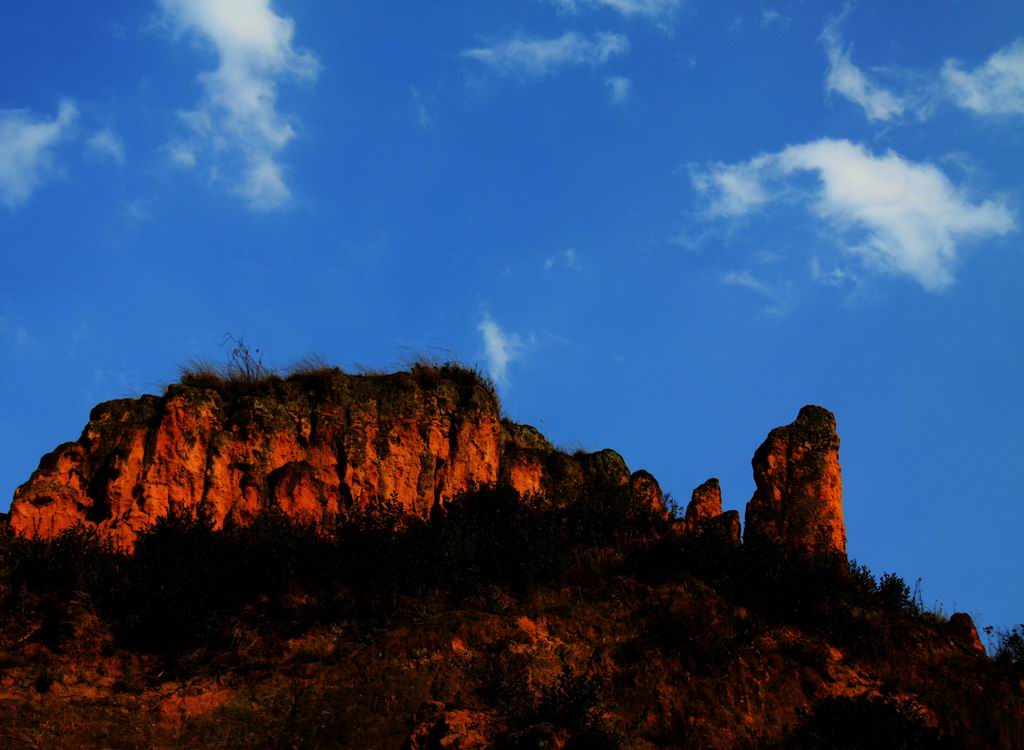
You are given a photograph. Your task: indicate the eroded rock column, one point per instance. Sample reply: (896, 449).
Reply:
(798, 502)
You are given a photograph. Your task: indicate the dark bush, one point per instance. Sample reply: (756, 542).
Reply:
(894, 593)
(504, 677)
(275, 555)
(186, 582)
(1010, 648)
(568, 701)
(494, 535)
(866, 723)
(78, 560)
(177, 583)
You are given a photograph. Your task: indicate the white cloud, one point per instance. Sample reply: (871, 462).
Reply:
(422, 114)
(995, 88)
(772, 17)
(734, 189)
(909, 217)
(26, 150)
(565, 258)
(500, 348)
(659, 11)
(532, 56)
(106, 144)
(263, 183)
(849, 81)
(777, 298)
(835, 277)
(138, 210)
(619, 88)
(181, 155)
(238, 117)
(747, 280)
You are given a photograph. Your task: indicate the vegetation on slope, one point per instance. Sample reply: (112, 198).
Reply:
(194, 602)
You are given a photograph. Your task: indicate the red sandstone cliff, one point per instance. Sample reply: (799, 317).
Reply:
(310, 446)
(314, 446)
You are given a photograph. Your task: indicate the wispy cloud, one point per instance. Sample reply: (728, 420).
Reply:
(619, 88)
(994, 88)
(500, 349)
(565, 258)
(181, 154)
(237, 124)
(847, 80)
(776, 297)
(423, 117)
(834, 277)
(733, 189)
(106, 144)
(524, 56)
(27, 143)
(138, 210)
(660, 12)
(908, 217)
(13, 333)
(772, 17)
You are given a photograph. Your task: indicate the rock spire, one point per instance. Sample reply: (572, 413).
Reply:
(798, 501)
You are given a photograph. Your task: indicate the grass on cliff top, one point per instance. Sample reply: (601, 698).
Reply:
(244, 372)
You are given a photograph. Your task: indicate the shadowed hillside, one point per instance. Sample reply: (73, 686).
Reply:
(332, 560)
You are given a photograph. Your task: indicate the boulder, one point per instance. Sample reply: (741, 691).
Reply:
(962, 628)
(645, 490)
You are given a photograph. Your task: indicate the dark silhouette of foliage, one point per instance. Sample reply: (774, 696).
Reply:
(568, 701)
(78, 560)
(192, 588)
(175, 585)
(866, 723)
(1010, 649)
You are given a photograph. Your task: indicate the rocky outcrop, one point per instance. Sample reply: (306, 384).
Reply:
(704, 513)
(312, 446)
(962, 628)
(705, 502)
(645, 490)
(315, 446)
(798, 501)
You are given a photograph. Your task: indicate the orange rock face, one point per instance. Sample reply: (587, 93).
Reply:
(705, 502)
(313, 448)
(798, 502)
(704, 514)
(644, 488)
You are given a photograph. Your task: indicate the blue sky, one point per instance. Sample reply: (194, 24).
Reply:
(661, 225)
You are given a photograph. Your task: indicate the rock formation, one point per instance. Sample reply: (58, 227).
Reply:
(961, 625)
(316, 445)
(705, 502)
(312, 447)
(798, 501)
(643, 486)
(704, 513)
(435, 635)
